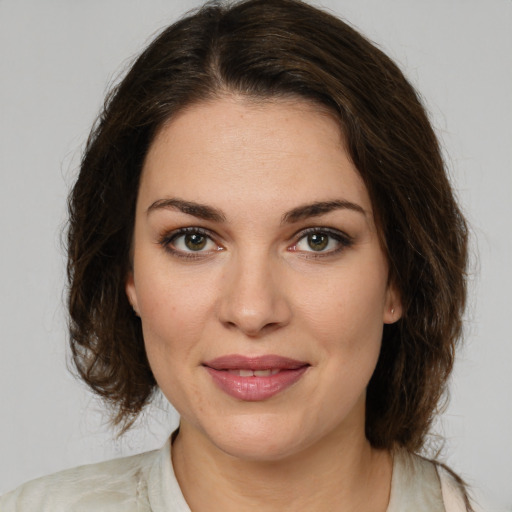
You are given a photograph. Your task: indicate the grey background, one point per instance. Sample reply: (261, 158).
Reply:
(56, 61)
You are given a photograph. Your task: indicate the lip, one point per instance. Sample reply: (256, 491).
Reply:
(255, 388)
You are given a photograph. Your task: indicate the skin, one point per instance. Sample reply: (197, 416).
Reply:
(258, 287)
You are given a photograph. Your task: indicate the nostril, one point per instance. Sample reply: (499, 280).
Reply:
(254, 331)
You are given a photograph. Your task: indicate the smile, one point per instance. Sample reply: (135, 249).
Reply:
(255, 379)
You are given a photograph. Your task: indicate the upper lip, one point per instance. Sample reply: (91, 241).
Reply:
(270, 361)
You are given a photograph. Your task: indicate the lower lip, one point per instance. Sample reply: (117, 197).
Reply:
(255, 389)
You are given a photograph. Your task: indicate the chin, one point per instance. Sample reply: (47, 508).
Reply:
(259, 438)
(258, 448)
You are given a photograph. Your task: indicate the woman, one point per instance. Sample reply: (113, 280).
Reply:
(263, 228)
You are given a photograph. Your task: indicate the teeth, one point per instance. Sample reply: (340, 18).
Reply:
(262, 373)
(255, 373)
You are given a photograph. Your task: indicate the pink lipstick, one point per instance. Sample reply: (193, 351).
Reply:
(254, 379)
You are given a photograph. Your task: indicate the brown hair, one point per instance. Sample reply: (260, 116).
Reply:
(270, 49)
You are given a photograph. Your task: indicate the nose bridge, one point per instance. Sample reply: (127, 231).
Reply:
(253, 298)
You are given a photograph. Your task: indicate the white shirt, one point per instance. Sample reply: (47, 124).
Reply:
(147, 483)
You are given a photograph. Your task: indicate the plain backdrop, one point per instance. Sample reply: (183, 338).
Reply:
(57, 59)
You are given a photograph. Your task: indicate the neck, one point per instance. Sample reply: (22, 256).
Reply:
(337, 473)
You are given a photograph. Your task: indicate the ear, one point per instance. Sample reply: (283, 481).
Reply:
(131, 293)
(393, 306)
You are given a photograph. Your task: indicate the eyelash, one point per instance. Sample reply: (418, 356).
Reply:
(344, 241)
(167, 240)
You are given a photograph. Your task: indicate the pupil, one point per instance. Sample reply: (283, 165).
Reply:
(318, 242)
(195, 242)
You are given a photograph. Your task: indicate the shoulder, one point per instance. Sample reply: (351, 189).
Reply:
(119, 484)
(455, 492)
(427, 485)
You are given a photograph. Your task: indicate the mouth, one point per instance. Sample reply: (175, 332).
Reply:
(254, 373)
(255, 379)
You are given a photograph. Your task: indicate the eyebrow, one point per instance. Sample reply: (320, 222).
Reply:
(200, 211)
(319, 208)
(206, 212)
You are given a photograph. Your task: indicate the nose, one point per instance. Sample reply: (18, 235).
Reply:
(253, 297)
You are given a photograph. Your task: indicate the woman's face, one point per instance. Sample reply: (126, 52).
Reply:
(258, 276)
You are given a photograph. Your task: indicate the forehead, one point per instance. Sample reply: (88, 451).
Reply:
(284, 151)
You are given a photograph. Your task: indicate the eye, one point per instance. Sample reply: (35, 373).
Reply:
(189, 242)
(322, 241)
(317, 241)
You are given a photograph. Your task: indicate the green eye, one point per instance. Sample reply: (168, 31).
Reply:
(322, 241)
(318, 241)
(190, 241)
(195, 241)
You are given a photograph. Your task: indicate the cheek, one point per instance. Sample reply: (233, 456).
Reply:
(174, 308)
(348, 308)
(172, 301)
(171, 327)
